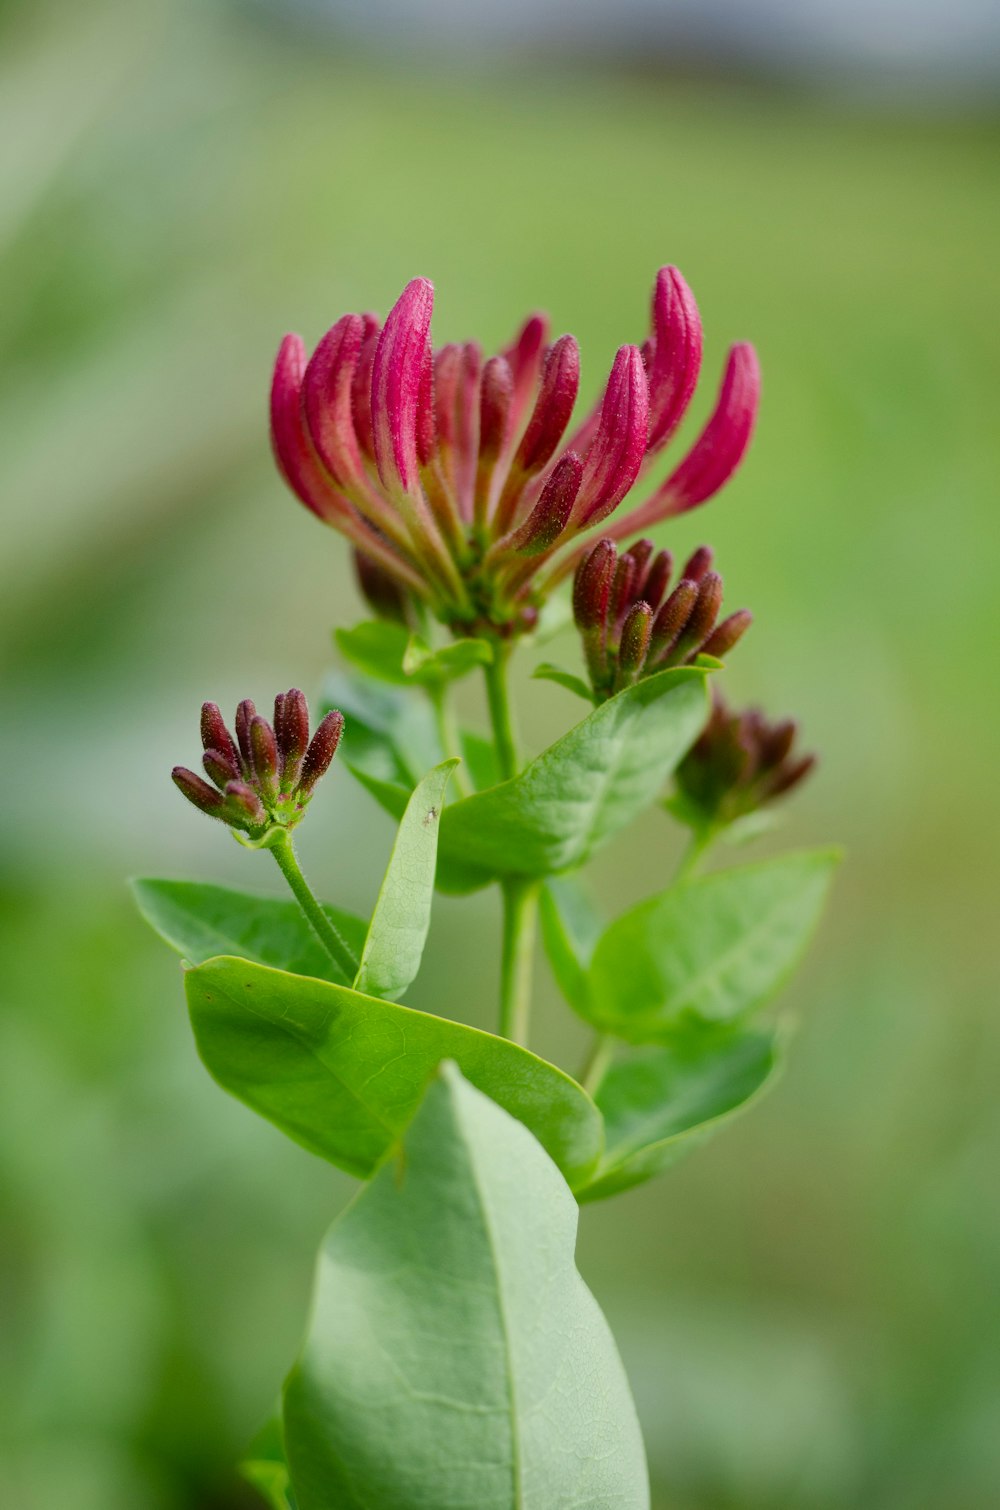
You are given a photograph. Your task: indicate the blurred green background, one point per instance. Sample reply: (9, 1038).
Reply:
(808, 1308)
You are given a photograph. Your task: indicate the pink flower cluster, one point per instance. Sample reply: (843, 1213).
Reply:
(452, 475)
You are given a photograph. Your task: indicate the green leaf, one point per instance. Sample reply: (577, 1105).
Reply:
(712, 949)
(434, 668)
(391, 653)
(376, 647)
(547, 672)
(584, 788)
(398, 929)
(571, 927)
(343, 1073)
(201, 921)
(265, 1468)
(479, 755)
(389, 731)
(454, 1356)
(660, 1103)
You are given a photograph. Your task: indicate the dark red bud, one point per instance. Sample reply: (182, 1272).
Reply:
(381, 591)
(243, 807)
(790, 777)
(553, 407)
(622, 589)
(291, 729)
(220, 768)
(214, 734)
(727, 634)
(640, 553)
(592, 585)
(551, 513)
(704, 613)
(204, 797)
(494, 406)
(322, 748)
(361, 388)
(776, 742)
(264, 748)
(698, 564)
(658, 579)
(635, 638)
(672, 618)
(244, 713)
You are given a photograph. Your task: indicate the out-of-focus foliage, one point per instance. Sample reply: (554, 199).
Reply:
(808, 1312)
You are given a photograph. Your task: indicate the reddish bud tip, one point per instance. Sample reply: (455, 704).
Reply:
(291, 729)
(553, 407)
(220, 768)
(552, 512)
(214, 734)
(592, 586)
(672, 618)
(722, 444)
(244, 714)
(616, 453)
(729, 633)
(635, 639)
(204, 797)
(243, 807)
(791, 776)
(705, 611)
(496, 393)
(658, 579)
(698, 564)
(675, 357)
(361, 388)
(398, 384)
(264, 748)
(322, 748)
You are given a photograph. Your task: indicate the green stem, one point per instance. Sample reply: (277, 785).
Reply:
(328, 936)
(597, 1062)
(447, 733)
(520, 910)
(501, 716)
(697, 847)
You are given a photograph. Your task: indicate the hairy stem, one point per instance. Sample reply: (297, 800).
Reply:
(327, 934)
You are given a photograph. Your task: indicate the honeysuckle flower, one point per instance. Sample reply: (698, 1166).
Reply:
(740, 763)
(264, 778)
(631, 625)
(453, 477)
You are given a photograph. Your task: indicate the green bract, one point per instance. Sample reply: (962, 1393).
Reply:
(342, 1073)
(454, 1355)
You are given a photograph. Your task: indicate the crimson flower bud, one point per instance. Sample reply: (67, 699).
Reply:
(552, 512)
(739, 763)
(220, 768)
(635, 635)
(658, 579)
(671, 619)
(322, 748)
(398, 384)
(197, 791)
(727, 634)
(264, 748)
(698, 564)
(619, 445)
(215, 735)
(245, 713)
(243, 806)
(553, 407)
(675, 357)
(592, 586)
(496, 393)
(291, 729)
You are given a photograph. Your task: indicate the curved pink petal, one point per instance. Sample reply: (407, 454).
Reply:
(675, 358)
(615, 456)
(398, 384)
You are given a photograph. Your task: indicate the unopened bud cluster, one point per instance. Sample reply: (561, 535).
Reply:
(740, 762)
(265, 777)
(632, 623)
(460, 480)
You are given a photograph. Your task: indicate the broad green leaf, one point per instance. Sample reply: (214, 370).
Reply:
(201, 921)
(570, 930)
(265, 1468)
(454, 1356)
(712, 949)
(660, 1103)
(398, 929)
(343, 1073)
(479, 756)
(547, 672)
(584, 788)
(388, 731)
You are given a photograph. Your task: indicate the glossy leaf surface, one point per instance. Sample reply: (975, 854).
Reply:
(342, 1073)
(454, 1356)
(660, 1103)
(711, 949)
(201, 921)
(398, 929)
